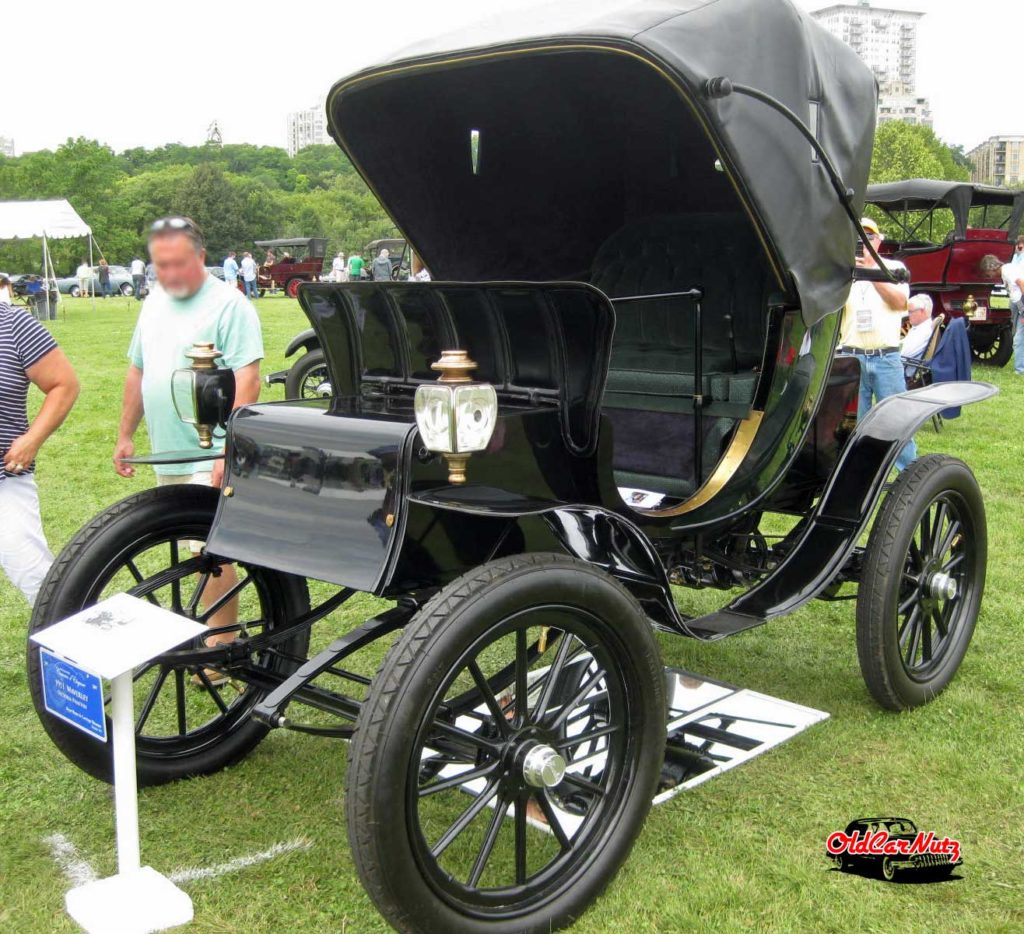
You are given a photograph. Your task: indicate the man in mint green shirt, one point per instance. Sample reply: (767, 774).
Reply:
(186, 306)
(355, 267)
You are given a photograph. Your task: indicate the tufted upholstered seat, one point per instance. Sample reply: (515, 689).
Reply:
(648, 395)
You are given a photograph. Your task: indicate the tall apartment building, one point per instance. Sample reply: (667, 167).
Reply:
(6, 146)
(886, 39)
(909, 109)
(999, 161)
(306, 128)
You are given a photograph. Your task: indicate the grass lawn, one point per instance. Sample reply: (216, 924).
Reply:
(742, 852)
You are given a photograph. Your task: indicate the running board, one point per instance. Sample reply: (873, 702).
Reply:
(722, 623)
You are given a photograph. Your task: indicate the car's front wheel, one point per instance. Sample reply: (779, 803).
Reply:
(508, 751)
(308, 377)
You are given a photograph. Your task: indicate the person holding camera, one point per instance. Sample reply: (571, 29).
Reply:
(871, 331)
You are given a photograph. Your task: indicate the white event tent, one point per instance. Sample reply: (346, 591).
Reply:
(44, 220)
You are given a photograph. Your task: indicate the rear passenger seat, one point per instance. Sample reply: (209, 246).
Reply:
(651, 375)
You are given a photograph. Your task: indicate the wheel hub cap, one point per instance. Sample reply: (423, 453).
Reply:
(543, 767)
(942, 585)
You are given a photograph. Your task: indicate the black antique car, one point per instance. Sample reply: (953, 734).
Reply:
(636, 340)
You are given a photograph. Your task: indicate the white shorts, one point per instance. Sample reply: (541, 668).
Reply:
(200, 478)
(24, 554)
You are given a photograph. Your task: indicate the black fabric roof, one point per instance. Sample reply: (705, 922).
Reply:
(922, 194)
(588, 122)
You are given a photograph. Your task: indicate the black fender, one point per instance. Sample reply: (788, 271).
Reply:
(844, 509)
(593, 534)
(610, 541)
(306, 340)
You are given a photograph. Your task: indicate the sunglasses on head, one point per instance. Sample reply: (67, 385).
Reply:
(173, 223)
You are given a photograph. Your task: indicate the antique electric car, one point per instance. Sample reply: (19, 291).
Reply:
(954, 237)
(642, 232)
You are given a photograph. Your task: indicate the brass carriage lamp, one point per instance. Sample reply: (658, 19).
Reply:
(203, 393)
(456, 415)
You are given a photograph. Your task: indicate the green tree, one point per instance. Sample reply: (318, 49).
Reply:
(217, 206)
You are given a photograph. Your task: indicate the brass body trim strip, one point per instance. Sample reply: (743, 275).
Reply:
(727, 466)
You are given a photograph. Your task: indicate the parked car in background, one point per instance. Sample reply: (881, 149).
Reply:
(290, 269)
(954, 238)
(398, 253)
(120, 281)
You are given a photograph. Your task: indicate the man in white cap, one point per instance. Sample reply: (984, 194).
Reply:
(871, 331)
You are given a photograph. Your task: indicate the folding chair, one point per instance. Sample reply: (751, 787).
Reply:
(918, 369)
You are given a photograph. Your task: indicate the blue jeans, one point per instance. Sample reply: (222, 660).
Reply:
(252, 288)
(1017, 317)
(105, 287)
(881, 377)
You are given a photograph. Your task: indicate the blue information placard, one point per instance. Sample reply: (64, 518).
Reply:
(73, 694)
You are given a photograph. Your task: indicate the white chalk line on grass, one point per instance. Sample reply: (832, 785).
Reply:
(78, 872)
(242, 862)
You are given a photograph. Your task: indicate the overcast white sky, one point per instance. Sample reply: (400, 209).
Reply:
(145, 72)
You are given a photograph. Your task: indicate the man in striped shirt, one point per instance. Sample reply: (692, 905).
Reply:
(27, 354)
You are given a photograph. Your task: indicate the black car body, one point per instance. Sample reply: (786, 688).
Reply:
(618, 239)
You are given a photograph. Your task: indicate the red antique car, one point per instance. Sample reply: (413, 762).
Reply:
(290, 268)
(954, 237)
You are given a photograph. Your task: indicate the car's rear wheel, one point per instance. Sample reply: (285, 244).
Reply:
(922, 582)
(508, 752)
(127, 289)
(291, 287)
(992, 349)
(75, 291)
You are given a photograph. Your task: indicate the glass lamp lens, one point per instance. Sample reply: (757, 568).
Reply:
(183, 392)
(434, 418)
(476, 408)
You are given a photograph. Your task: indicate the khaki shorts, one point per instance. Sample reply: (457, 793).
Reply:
(200, 478)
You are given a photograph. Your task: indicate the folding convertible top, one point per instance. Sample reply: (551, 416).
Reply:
(585, 122)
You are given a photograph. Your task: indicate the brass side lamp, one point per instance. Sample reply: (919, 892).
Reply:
(203, 393)
(455, 415)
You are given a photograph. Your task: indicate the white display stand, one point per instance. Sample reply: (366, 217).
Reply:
(110, 640)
